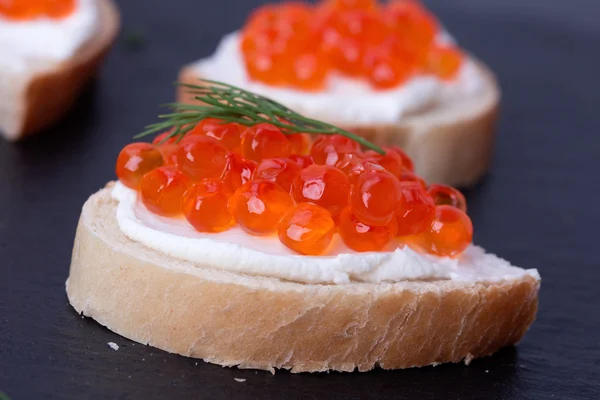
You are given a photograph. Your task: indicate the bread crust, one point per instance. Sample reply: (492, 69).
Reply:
(42, 98)
(450, 144)
(265, 323)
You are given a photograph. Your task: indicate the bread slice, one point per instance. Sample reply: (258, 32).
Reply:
(258, 322)
(37, 99)
(450, 143)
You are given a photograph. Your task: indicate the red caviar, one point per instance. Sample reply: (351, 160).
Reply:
(416, 210)
(135, 161)
(448, 235)
(307, 229)
(373, 201)
(227, 134)
(375, 197)
(258, 205)
(447, 195)
(201, 157)
(363, 237)
(237, 171)
(299, 45)
(282, 171)
(205, 206)
(161, 190)
(30, 9)
(265, 141)
(323, 185)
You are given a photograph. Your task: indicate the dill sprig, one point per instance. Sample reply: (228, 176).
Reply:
(232, 104)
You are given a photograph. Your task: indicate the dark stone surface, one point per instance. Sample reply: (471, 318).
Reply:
(538, 208)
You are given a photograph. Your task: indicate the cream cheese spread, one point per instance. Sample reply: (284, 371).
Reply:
(237, 251)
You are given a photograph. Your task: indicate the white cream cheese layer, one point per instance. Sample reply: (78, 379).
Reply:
(23, 44)
(236, 251)
(346, 101)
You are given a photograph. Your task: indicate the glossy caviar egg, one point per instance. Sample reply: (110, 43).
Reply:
(309, 71)
(258, 205)
(416, 211)
(306, 229)
(363, 237)
(201, 157)
(323, 185)
(167, 147)
(407, 163)
(237, 171)
(161, 190)
(447, 195)
(265, 141)
(444, 61)
(408, 176)
(330, 149)
(390, 161)
(205, 206)
(302, 160)
(162, 139)
(282, 171)
(375, 197)
(300, 143)
(227, 134)
(135, 161)
(448, 235)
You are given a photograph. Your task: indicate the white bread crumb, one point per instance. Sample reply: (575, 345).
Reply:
(113, 346)
(239, 380)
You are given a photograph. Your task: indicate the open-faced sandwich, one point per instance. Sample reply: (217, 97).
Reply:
(49, 50)
(233, 239)
(389, 72)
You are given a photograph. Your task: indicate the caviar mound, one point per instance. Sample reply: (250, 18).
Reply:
(22, 10)
(300, 45)
(271, 182)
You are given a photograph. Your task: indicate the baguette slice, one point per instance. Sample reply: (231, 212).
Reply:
(450, 143)
(264, 323)
(39, 98)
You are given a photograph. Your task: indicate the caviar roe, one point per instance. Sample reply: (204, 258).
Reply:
(363, 237)
(374, 202)
(135, 161)
(416, 210)
(161, 190)
(258, 205)
(307, 229)
(375, 197)
(227, 134)
(30, 9)
(282, 171)
(205, 206)
(447, 195)
(448, 235)
(265, 141)
(323, 185)
(202, 157)
(237, 171)
(300, 45)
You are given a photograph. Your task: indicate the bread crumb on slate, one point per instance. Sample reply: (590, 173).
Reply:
(113, 346)
(239, 380)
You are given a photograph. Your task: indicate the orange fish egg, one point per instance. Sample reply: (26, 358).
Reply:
(201, 157)
(282, 171)
(205, 206)
(227, 134)
(237, 171)
(330, 149)
(258, 205)
(323, 185)
(447, 195)
(135, 161)
(307, 229)
(265, 141)
(448, 235)
(363, 237)
(375, 197)
(416, 210)
(161, 190)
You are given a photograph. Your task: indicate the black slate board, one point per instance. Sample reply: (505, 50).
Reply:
(538, 208)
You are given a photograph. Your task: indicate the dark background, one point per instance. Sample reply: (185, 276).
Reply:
(538, 208)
